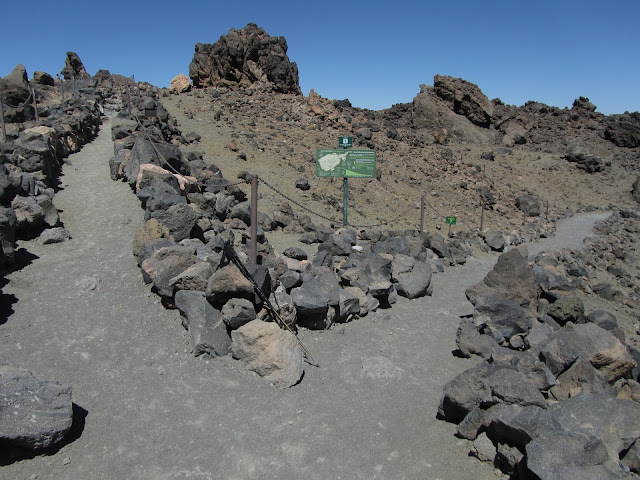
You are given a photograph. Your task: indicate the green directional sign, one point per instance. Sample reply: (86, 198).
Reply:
(345, 142)
(451, 220)
(345, 163)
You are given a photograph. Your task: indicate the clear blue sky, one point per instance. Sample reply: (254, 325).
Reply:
(374, 53)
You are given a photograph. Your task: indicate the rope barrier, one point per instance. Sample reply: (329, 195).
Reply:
(23, 103)
(432, 207)
(298, 204)
(411, 207)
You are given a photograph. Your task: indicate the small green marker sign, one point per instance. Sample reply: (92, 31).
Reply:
(345, 142)
(451, 220)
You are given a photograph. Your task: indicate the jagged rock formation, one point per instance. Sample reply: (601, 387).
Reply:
(245, 58)
(74, 68)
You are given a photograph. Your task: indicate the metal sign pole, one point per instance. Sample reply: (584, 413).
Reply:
(253, 254)
(345, 201)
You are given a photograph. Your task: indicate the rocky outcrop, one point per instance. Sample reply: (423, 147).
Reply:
(624, 130)
(73, 68)
(244, 58)
(464, 98)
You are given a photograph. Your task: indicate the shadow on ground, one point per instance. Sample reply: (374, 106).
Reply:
(22, 258)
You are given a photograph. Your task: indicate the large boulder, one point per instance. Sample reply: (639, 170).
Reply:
(502, 318)
(36, 413)
(597, 432)
(312, 304)
(166, 264)
(413, 277)
(206, 326)
(30, 216)
(179, 219)
(226, 283)
(180, 84)
(73, 68)
(591, 343)
(245, 57)
(271, 352)
(511, 278)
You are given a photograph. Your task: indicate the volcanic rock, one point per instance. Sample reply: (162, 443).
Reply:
(205, 324)
(180, 84)
(272, 353)
(37, 413)
(511, 278)
(74, 68)
(245, 58)
(465, 99)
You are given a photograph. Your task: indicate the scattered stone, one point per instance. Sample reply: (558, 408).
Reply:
(238, 312)
(529, 205)
(54, 235)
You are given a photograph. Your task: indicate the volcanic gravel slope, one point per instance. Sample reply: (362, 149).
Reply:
(82, 315)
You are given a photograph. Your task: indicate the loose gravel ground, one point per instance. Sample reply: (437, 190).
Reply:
(81, 314)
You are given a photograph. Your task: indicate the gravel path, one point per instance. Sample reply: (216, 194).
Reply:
(83, 316)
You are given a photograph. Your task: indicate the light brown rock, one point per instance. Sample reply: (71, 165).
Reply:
(180, 84)
(272, 353)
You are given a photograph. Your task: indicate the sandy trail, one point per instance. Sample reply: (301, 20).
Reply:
(83, 316)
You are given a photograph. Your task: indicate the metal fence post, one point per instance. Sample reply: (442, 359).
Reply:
(253, 253)
(4, 131)
(35, 103)
(345, 202)
(129, 99)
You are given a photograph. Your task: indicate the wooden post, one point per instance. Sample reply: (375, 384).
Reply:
(4, 131)
(35, 103)
(422, 214)
(253, 253)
